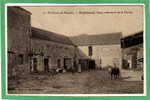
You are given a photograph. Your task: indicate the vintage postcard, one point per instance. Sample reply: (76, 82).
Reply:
(75, 50)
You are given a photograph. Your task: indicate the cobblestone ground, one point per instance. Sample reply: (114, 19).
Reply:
(90, 82)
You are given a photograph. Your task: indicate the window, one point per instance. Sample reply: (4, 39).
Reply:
(58, 63)
(20, 58)
(90, 51)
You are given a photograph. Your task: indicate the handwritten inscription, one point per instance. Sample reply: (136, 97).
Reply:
(88, 12)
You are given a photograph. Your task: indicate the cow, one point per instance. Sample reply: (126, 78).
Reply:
(115, 73)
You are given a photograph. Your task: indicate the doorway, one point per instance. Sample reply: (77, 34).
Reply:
(67, 63)
(35, 65)
(11, 64)
(92, 64)
(46, 64)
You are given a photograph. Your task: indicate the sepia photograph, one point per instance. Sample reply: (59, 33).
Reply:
(75, 49)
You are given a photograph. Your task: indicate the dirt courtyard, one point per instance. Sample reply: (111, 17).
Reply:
(89, 82)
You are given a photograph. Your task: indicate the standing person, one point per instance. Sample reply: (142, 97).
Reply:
(109, 69)
(72, 69)
(116, 71)
(79, 68)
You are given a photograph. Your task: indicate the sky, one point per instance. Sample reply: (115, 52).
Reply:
(88, 19)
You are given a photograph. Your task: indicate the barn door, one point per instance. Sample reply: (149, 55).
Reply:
(46, 64)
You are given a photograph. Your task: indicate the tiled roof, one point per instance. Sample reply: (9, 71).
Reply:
(50, 36)
(101, 39)
(132, 40)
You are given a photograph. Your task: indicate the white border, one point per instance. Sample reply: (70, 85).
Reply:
(83, 95)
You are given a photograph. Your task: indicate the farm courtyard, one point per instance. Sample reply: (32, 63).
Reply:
(88, 82)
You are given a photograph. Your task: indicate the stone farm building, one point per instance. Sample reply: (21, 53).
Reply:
(51, 50)
(132, 51)
(18, 33)
(103, 49)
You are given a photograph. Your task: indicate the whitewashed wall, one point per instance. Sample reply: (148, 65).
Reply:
(109, 54)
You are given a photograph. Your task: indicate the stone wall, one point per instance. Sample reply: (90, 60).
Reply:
(104, 55)
(53, 51)
(18, 32)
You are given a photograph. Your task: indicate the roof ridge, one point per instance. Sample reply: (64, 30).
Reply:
(50, 36)
(98, 34)
(100, 39)
(48, 31)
